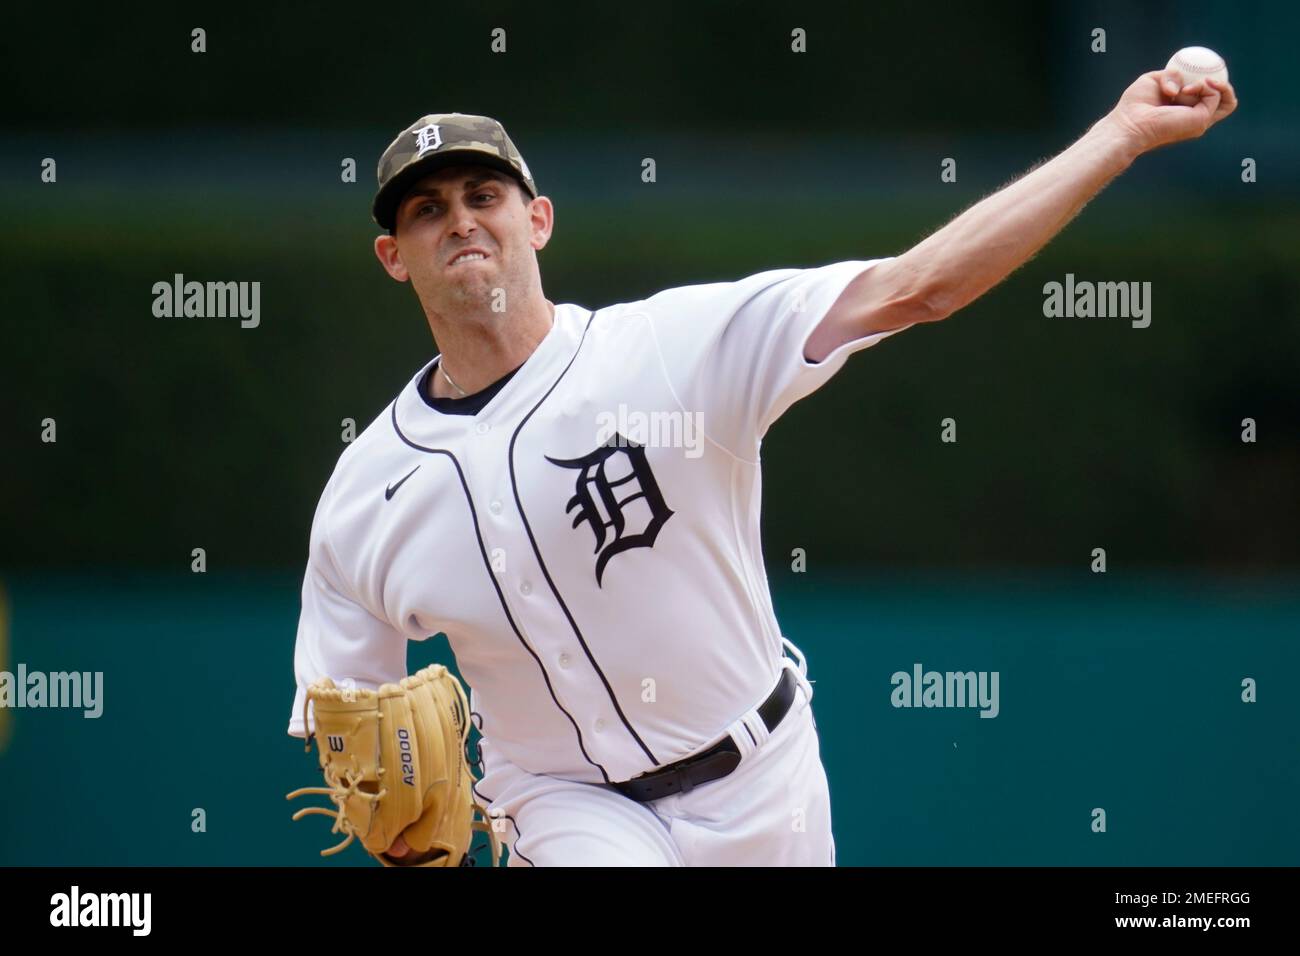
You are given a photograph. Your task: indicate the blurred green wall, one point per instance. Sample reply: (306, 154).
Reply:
(1118, 693)
(175, 434)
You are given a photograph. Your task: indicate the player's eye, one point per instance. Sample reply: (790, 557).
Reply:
(424, 210)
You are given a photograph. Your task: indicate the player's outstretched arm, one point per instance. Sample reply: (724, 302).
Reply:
(956, 265)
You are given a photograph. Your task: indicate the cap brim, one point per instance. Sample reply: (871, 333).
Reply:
(389, 198)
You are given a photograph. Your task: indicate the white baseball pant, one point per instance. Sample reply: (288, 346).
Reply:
(772, 810)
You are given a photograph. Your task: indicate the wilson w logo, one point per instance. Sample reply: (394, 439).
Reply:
(336, 743)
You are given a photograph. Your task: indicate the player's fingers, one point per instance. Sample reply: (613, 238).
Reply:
(1174, 91)
(399, 848)
(1188, 94)
(1228, 97)
(1171, 81)
(1209, 103)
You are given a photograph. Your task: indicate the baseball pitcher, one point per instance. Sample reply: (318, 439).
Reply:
(572, 496)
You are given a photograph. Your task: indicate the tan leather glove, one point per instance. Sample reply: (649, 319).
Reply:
(394, 764)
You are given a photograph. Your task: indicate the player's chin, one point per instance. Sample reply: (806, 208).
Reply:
(472, 290)
(471, 278)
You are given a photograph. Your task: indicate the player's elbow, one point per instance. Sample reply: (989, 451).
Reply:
(924, 305)
(905, 295)
(906, 308)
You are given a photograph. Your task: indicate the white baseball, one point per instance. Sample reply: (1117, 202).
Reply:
(1197, 63)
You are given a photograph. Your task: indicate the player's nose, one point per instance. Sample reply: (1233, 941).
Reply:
(463, 221)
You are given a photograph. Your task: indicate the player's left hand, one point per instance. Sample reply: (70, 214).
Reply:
(1156, 111)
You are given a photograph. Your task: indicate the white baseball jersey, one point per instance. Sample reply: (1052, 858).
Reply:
(589, 540)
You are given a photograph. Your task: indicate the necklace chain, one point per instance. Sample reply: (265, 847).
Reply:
(463, 393)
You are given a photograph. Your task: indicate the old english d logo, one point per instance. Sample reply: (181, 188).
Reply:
(427, 138)
(598, 503)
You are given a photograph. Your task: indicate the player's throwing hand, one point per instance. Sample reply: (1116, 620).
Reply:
(1156, 111)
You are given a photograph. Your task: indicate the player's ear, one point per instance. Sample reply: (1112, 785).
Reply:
(388, 256)
(541, 217)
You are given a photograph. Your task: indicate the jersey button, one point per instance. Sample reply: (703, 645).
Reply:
(600, 724)
(526, 588)
(565, 660)
(482, 428)
(495, 507)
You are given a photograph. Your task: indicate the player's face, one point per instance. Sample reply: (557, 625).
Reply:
(465, 209)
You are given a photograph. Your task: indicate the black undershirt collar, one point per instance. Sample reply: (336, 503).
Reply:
(470, 404)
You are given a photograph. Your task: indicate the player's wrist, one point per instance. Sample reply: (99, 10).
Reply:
(1117, 139)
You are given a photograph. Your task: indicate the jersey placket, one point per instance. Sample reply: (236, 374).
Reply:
(524, 587)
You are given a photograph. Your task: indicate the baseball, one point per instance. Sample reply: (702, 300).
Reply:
(1198, 63)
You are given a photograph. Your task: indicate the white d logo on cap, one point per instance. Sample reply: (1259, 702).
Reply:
(427, 138)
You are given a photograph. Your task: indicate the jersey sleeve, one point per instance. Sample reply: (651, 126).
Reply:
(337, 636)
(734, 351)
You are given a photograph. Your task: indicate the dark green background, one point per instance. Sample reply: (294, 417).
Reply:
(1119, 690)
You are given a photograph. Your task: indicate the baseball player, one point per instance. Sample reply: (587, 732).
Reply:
(572, 496)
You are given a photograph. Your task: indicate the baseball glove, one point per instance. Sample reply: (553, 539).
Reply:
(394, 763)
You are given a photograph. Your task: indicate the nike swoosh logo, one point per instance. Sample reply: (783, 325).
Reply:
(392, 489)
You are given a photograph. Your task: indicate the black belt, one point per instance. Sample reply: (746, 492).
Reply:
(714, 763)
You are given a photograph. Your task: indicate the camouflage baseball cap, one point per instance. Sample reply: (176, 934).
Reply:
(438, 140)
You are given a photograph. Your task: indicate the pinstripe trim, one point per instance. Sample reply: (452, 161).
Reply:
(497, 586)
(514, 485)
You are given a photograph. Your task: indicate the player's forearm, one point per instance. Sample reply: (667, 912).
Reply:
(989, 241)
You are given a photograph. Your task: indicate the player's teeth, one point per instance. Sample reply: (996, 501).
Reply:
(471, 256)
